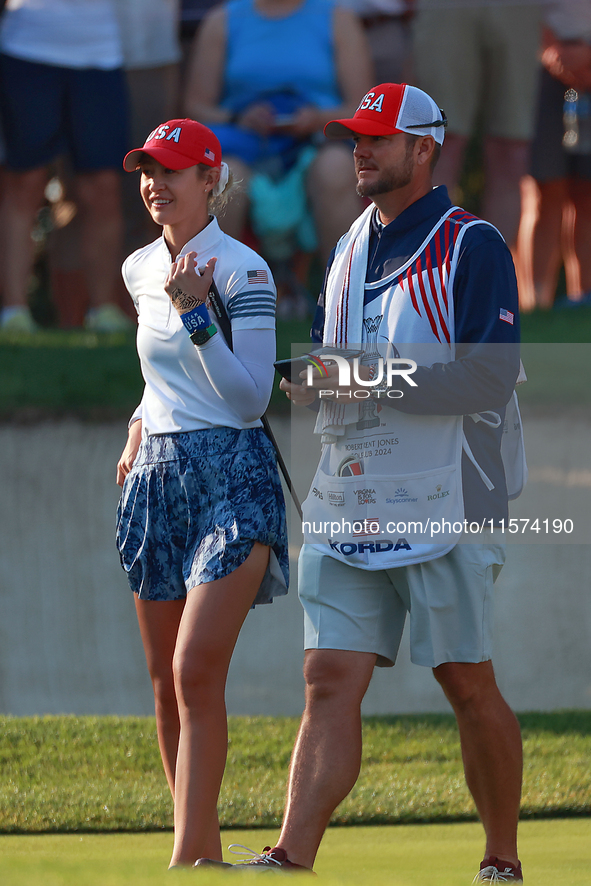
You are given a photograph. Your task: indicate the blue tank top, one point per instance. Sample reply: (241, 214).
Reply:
(294, 53)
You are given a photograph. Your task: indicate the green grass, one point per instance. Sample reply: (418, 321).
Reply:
(553, 852)
(557, 376)
(57, 373)
(104, 773)
(567, 325)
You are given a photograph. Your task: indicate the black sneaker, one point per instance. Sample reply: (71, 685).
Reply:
(494, 870)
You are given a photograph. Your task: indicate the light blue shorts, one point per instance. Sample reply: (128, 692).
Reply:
(449, 601)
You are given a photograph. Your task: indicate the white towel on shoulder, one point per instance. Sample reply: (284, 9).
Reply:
(343, 315)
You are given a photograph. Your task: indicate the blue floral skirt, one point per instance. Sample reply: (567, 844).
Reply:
(192, 507)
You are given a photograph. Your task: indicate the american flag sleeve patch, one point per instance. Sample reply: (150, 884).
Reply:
(257, 277)
(506, 315)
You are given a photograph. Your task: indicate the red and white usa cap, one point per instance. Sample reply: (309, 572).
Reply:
(178, 144)
(390, 108)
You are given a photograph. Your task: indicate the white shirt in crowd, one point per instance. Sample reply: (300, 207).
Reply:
(570, 19)
(68, 33)
(149, 32)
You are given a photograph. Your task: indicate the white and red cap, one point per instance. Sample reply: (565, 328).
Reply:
(178, 144)
(390, 108)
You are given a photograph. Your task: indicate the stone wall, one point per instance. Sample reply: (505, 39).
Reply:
(69, 642)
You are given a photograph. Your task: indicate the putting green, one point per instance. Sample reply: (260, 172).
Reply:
(554, 851)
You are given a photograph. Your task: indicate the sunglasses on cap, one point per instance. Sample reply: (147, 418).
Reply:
(442, 122)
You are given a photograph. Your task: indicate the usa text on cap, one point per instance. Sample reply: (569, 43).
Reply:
(390, 108)
(178, 144)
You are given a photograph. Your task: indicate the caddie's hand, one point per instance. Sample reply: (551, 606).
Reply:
(185, 286)
(300, 395)
(125, 463)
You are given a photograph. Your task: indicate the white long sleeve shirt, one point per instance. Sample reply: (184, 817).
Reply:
(187, 387)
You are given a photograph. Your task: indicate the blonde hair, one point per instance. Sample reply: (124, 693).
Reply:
(216, 203)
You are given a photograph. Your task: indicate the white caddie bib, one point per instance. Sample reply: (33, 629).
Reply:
(388, 492)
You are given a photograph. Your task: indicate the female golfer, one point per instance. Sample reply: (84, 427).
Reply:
(201, 522)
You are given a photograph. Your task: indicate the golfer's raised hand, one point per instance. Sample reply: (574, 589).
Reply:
(185, 286)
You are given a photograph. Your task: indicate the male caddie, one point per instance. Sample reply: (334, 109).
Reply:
(429, 282)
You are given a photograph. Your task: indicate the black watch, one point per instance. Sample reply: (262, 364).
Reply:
(202, 336)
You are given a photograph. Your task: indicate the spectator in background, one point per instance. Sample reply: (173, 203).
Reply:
(192, 13)
(474, 55)
(556, 219)
(266, 76)
(151, 58)
(2, 5)
(62, 89)
(387, 25)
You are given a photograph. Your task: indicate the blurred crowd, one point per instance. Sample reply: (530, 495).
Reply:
(83, 81)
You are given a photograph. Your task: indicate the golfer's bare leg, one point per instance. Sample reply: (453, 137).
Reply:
(209, 627)
(159, 622)
(327, 753)
(491, 750)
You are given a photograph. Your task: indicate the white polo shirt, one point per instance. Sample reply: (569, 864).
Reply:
(178, 395)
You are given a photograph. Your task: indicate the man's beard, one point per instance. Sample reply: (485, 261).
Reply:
(390, 179)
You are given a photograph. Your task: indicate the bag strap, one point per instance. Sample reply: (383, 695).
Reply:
(221, 314)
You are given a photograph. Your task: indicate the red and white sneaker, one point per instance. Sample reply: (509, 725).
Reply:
(494, 870)
(268, 860)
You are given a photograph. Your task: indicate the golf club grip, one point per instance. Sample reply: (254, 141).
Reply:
(226, 330)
